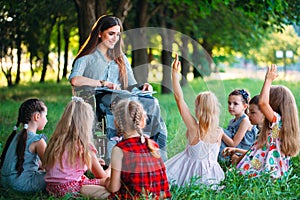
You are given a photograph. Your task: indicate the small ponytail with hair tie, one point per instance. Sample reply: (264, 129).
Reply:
(26, 126)
(143, 139)
(77, 99)
(8, 141)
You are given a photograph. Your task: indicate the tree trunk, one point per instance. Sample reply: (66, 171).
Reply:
(140, 65)
(196, 60)
(140, 41)
(31, 65)
(208, 56)
(184, 60)
(101, 7)
(140, 61)
(166, 55)
(66, 34)
(123, 8)
(166, 60)
(46, 50)
(45, 64)
(7, 72)
(58, 49)
(86, 10)
(19, 53)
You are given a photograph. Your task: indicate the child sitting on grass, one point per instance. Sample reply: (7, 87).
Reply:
(204, 135)
(239, 133)
(256, 118)
(137, 169)
(21, 157)
(70, 154)
(279, 139)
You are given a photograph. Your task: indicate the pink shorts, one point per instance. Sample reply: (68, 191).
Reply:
(60, 190)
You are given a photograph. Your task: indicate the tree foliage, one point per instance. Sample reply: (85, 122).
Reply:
(230, 25)
(276, 42)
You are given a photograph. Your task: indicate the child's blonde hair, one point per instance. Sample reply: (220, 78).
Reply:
(128, 116)
(72, 135)
(283, 102)
(207, 110)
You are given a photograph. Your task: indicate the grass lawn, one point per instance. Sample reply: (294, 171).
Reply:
(56, 96)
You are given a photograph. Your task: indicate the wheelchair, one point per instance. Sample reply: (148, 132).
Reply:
(105, 133)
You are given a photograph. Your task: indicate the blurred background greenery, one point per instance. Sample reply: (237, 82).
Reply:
(235, 39)
(39, 38)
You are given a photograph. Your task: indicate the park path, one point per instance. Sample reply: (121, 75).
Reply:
(234, 73)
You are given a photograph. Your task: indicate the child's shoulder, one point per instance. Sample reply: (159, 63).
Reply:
(276, 120)
(128, 142)
(33, 137)
(245, 119)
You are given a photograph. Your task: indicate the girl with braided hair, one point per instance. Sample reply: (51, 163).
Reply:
(137, 170)
(21, 157)
(70, 154)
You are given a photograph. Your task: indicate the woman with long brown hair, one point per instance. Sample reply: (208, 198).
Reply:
(100, 61)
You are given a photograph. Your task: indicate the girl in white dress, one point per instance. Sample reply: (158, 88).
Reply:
(199, 159)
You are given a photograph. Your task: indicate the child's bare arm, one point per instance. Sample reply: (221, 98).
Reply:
(97, 169)
(114, 183)
(265, 92)
(39, 148)
(239, 135)
(185, 113)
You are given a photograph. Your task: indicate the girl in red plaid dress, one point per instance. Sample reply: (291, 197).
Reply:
(137, 170)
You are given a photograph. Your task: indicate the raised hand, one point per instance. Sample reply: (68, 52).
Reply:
(176, 64)
(272, 72)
